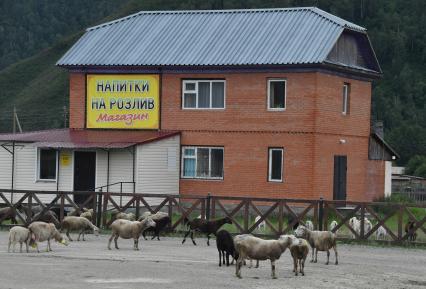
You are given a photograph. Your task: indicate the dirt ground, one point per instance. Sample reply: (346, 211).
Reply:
(169, 264)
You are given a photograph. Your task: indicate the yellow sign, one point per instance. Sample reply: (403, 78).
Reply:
(65, 159)
(123, 101)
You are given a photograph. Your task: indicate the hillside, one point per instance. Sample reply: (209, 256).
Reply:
(397, 29)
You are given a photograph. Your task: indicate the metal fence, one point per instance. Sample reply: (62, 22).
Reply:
(280, 216)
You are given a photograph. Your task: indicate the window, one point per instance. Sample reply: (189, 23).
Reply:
(275, 173)
(276, 94)
(47, 164)
(346, 98)
(202, 162)
(203, 94)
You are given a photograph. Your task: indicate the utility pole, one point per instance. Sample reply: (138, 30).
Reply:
(16, 121)
(65, 116)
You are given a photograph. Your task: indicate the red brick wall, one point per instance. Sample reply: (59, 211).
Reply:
(77, 100)
(309, 130)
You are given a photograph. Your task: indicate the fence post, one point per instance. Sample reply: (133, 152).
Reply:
(400, 218)
(61, 208)
(320, 213)
(208, 207)
(99, 211)
(105, 208)
(138, 206)
(362, 233)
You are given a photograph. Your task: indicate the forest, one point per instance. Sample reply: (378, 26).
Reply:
(34, 34)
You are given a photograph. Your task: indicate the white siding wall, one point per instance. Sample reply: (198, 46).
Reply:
(5, 169)
(388, 178)
(158, 167)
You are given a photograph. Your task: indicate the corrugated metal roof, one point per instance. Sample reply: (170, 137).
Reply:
(210, 38)
(73, 138)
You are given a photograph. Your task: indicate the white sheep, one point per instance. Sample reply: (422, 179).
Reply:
(381, 233)
(262, 225)
(88, 214)
(333, 225)
(367, 225)
(21, 235)
(81, 224)
(248, 246)
(129, 229)
(125, 216)
(299, 249)
(41, 231)
(239, 238)
(309, 225)
(319, 241)
(355, 224)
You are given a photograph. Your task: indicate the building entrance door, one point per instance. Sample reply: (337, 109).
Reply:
(339, 184)
(84, 174)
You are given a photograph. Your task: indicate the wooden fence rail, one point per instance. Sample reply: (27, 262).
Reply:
(279, 215)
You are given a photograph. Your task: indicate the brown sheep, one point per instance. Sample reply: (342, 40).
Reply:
(299, 250)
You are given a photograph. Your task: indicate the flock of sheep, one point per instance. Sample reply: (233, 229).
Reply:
(240, 248)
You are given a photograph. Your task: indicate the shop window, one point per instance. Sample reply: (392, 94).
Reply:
(346, 98)
(203, 94)
(47, 165)
(202, 162)
(276, 94)
(275, 167)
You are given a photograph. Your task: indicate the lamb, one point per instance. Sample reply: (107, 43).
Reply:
(204, 226)
(333, 225)
(80, 224)
(409, 229)
(87, 214)
(41, 231)
(262, 225)
(21, 235)
(319, 241)
(299, 249)
(225, 247)
(8, 214)
(129, 229)
(309, 225)
(162, 220)
(355, 224)
(248, 246)
(381, 233)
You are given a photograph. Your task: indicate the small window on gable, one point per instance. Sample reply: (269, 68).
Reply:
(47, 165)
(346, 98)
(276, 94)
(275, 165)
(203, 94)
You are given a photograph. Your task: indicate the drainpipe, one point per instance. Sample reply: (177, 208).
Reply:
(13, 171)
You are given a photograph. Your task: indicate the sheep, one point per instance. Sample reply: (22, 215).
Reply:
(409, 229)
(162, 220)
(80, 224)
(8, 214)
(124, 216)
(88, 214)
(225, 247)
(21, 235)
(309, 225)
(78, 212)
(333, 225)
(367, 225)
(262, 225)
(248, 246)
(381, 233)
(204, 226)
(299, 249)
(129, 229)
(319, 241)
(239, 238)
(355, 224)
(41, 231)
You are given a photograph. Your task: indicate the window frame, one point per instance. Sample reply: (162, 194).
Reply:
(270, 150)
(195, 91)
(38, 166)
(270, 80)
(346, 97)
(196, 162)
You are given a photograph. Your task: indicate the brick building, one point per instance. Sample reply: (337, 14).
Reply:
(268, 102)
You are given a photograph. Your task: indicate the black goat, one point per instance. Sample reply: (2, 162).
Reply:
(409, 229)
(8, 214)
(225, 247)
(205, 227)
(160, 224)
